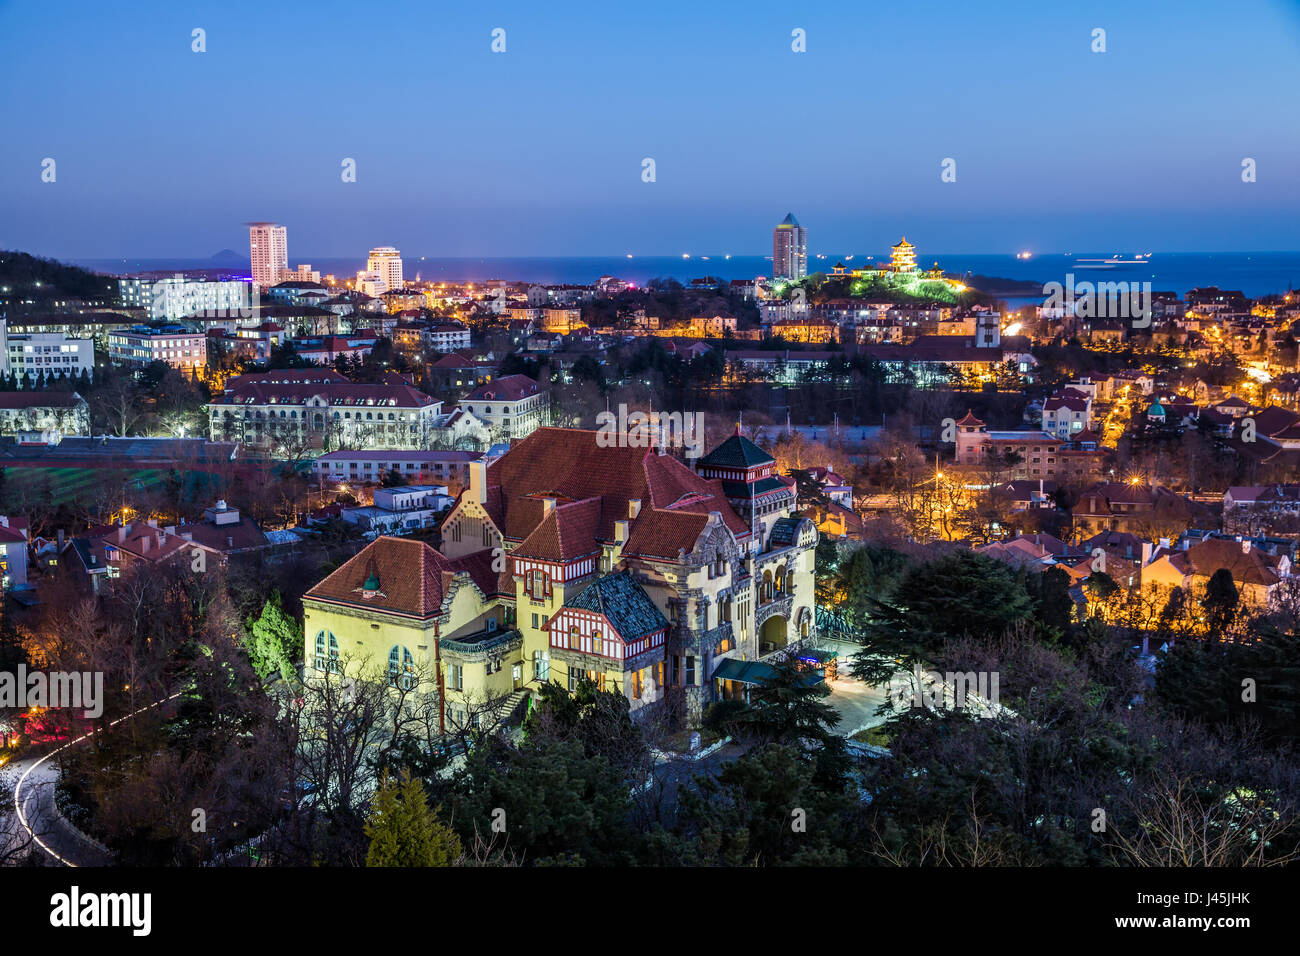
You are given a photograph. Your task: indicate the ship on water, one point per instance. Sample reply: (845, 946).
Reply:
(1114, 262)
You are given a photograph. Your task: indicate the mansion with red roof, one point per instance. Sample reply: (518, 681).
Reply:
(568, 561)
(319, 408)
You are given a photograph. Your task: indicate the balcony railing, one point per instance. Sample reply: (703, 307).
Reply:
(481, 644)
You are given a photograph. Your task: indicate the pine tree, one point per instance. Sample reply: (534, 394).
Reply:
(403, 831)
(273, 638)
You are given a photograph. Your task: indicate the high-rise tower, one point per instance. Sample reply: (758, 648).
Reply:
(268, 250)
(386, 261)
(789, 249)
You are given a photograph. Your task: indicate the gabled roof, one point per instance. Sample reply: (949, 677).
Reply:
(1048, 543)
(1247, 565)
(1070, 401)
(1276, 422)
(660, 533)
(1115, 542)
(479, 565)
(570, 465)
(508, 388)
(567, 533)
(623, 602)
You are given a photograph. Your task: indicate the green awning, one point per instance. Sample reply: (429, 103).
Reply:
(753, 672)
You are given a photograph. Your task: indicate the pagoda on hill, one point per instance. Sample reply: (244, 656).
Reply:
(902, 257)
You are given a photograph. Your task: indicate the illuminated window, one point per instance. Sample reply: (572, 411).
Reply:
(401, 667)
(327, 654)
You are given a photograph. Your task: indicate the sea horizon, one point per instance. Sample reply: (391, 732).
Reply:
(1252, 273)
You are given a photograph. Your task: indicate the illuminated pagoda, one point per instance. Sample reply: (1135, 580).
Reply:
(902, 257)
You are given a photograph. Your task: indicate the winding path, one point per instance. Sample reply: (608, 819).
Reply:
(34, 803)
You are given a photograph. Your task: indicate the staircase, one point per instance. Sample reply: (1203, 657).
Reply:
(511, 709)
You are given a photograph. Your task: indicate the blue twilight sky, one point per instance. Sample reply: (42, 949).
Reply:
(161, 151)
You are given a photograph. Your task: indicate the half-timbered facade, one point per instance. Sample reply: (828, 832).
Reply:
(718, 552)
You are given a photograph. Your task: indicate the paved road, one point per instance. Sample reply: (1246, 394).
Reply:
(856, 702)
(32, 782)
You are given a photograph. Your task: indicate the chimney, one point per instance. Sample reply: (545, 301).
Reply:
(621, 527)
(121, 534)
(1164, 542)
(1146, 553)
(61, 537)
(145, 543)
(1245, 547)
(633, 507)
(548, 506)
(478, 482)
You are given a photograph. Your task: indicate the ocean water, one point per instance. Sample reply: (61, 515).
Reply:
(1253, 273)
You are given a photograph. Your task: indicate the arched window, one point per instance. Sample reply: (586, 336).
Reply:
(401, 667)
(327, 654)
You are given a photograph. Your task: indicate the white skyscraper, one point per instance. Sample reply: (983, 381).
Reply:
(387, 261)
(268, 250)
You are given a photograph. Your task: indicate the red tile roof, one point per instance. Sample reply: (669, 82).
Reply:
(1246, 565)
(479, 567)
(593, 486)
(412, 579)
(568, 532)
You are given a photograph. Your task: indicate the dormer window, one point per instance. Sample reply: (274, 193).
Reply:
(539, 585)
